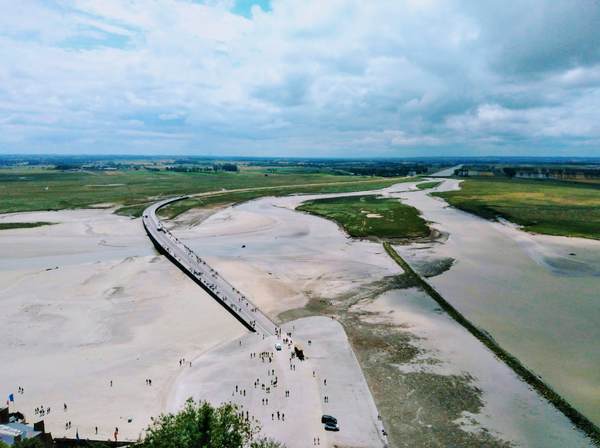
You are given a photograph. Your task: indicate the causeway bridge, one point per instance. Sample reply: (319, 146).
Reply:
(233, 300)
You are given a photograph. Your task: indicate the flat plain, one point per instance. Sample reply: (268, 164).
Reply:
(370, 216)
(551, 207)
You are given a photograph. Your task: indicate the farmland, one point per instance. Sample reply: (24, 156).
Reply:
(370, 216)
(554, 208)
(31, 189)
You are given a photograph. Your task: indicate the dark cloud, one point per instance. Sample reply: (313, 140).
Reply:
(342, 77)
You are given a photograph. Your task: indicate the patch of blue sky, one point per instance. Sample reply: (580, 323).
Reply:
(244, 7)
(95, 39)
(90, 42)
(163, 118)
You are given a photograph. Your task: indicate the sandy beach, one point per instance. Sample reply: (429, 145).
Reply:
(298, 257)
(536, 294)
(108, 309)
(98, 305)
(329, 381)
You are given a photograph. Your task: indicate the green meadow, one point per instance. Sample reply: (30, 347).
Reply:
(22, 225)
(550, 207)
(30, 189)
(428, 185)
(370, 216)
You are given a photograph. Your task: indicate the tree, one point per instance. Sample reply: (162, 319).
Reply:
(509, 171)
(199, 425)
(26, 443)
(267, 443)
(29, 443)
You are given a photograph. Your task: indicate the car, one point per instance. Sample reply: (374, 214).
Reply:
(278, 347)
(329, 419)
(331, 427)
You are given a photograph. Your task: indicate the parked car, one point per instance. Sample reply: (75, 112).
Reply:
(278, 346)
(331, 427)
(329, 419)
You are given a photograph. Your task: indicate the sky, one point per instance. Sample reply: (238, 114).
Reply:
(329, 78)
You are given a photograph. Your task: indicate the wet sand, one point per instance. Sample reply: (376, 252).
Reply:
(108, 309)
(330, 370)
(113, 310)
(291, 257)
(539, 302)
(512, 410)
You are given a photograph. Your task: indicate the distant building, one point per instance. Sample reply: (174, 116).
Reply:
(12, 431)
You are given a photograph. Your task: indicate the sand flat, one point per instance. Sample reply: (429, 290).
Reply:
(512, 410)
(537, 301)
(311, 256)
(109, 309)
(330, 370)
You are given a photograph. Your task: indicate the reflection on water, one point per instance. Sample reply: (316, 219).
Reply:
(537, 295)
(535, 298)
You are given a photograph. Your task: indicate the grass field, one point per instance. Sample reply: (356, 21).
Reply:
(554, 208)
(428, 185)
(370, 216)
(30, 189)
(235, 197)
(22, 225)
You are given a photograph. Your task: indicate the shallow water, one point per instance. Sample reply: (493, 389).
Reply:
(538, 302)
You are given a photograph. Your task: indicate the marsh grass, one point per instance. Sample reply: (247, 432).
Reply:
(23, 189)
(23, 225)
(554, 208)
(370, 216)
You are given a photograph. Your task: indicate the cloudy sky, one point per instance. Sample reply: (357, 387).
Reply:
(300, 77)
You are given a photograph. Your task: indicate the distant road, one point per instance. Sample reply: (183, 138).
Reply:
(446, 172)
(198, 270)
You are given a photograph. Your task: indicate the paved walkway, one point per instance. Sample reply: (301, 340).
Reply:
(230, 372)
(219, 288)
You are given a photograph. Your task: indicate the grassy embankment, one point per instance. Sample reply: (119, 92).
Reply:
(550, 207)
(31, 189)
(370, 216)
(234, 197)
(578, 419)
(428, 185)
(350, 214)
(23, 225)
(402, 398)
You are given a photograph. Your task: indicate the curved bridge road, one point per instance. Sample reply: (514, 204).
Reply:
(209, 279)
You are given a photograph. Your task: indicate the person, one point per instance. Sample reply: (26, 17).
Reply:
(110, 383)
(96, 430)
(65, 407)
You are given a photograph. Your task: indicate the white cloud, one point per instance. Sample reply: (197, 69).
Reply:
(321, 77)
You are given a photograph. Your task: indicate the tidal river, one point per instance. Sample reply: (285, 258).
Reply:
(537, 295)
(529, 292)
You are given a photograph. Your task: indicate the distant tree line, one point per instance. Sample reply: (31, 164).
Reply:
(534, 172)
(197, 425)
(231, 167)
